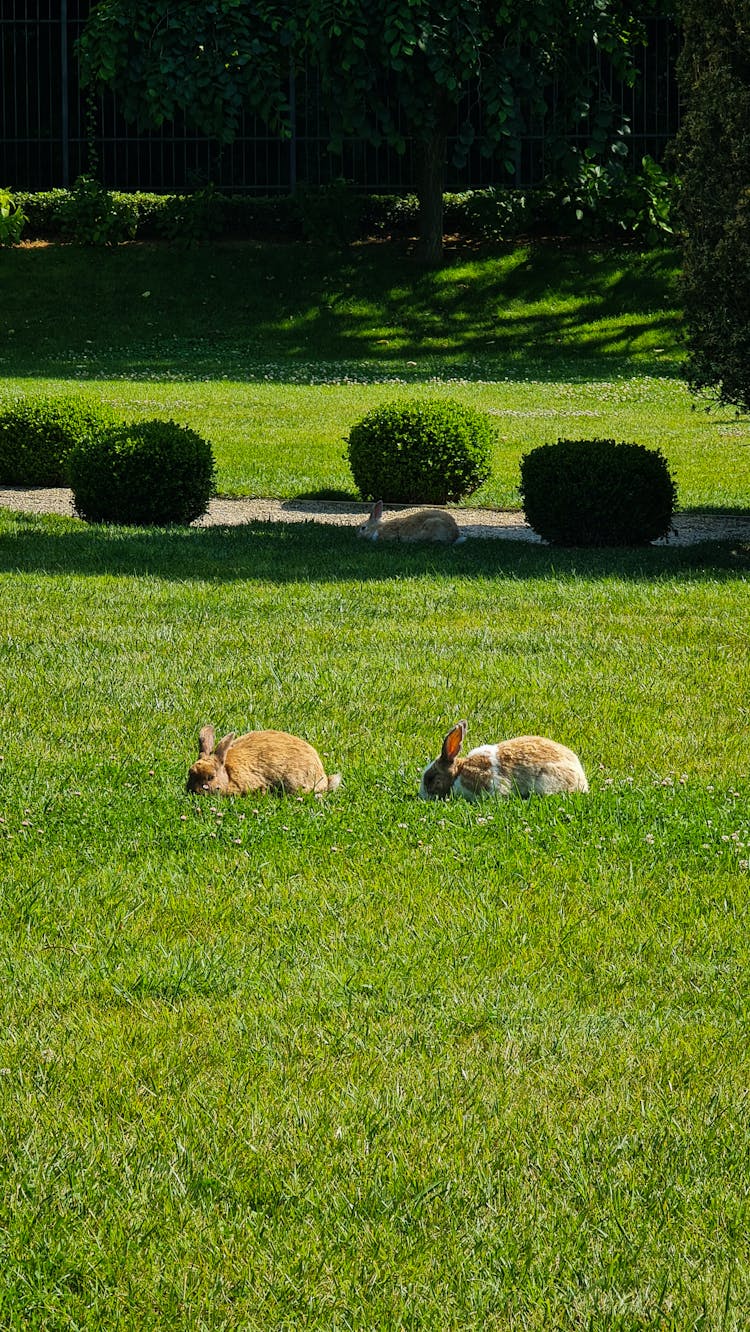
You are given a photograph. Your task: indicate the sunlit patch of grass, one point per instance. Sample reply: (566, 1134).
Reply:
(275, 361)
(144, 310)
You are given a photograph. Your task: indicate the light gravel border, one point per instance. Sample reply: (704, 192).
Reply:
(504, 523)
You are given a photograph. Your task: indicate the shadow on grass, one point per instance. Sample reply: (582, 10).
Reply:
(541, 312)
(317, 553)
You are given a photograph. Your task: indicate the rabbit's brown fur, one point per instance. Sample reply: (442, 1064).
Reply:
(425, 525)
(258, 761)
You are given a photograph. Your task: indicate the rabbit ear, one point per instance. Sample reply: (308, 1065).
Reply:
(453, 742)
(206, 741)
(223, 746)
(376, 512)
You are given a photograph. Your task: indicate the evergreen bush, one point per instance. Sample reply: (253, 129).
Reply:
(331, 214)
(37, 435)
(42, 211)
(416, 451)
(596, 492)
(148, 473)
(713, 154)
(192, 219)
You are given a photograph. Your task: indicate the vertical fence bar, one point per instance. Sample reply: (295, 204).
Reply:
(293, 129)
(64, 106)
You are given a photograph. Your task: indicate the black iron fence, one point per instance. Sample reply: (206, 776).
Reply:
(44, 139)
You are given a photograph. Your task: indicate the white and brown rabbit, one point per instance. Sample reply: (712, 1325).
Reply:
(425, 525)
(527, 765)
(259, 761)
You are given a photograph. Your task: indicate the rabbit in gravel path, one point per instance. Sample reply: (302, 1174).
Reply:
(426, 525)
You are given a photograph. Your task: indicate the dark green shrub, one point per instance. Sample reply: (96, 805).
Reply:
(425, 452)
(713, 158)
(192, 219)
(331, 214)
(148, 473)
(595, 492)
(91, 215)
(715, 290)
(606, 201)
(37, 435)
(42, 210)
(269, 217)
(596, 203)
(390, 214)
(493, 214)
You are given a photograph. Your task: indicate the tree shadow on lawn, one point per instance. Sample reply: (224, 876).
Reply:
(318, 553)
(526, 348)
(541, 312)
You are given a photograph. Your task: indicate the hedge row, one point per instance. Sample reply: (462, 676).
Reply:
(601, 204)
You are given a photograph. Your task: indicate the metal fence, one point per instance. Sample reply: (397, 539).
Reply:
(43, 139)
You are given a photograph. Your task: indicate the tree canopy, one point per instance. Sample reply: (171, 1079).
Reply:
(392, 70)
(207, 61)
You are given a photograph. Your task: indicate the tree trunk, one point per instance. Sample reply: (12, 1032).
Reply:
(430, 192)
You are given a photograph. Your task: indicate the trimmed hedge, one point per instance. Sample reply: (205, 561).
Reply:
(596, 492)
(203, 215)
(148, 473)
(37, 435)
(420, 451)
(603, 204)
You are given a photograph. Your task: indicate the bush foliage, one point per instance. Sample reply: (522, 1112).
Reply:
(12, 219)
(595, 202)
(91, 215)
(596, 492)
(148, 473)
(713, 152)
(37, 435)
(420, 451)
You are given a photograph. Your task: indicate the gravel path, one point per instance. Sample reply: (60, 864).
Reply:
(506, 523)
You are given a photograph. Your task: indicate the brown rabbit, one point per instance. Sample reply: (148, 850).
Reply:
(259, 761)
(529, 764)
(425, 525)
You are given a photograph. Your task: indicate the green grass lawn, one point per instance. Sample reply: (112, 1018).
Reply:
(370, 1063)
(273, 352)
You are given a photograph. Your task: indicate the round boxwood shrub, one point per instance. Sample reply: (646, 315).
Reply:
(145, 473)
(596, 492)
(37, 435)
(420, 451)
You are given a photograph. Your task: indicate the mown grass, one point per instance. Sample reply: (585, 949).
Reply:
(273, 352)
(141, 309)
(370, 1062)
